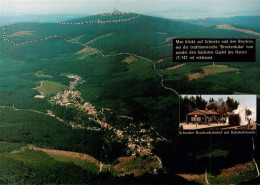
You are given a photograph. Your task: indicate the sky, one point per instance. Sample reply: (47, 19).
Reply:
(181, 9)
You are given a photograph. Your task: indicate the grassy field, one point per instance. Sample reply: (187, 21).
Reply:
(21, 34)
(34, 167)
(82, 160)
(211, 70)
(99, 37)
(127, 85)
(49, 87)
(40, 74)
(214, 69)
(76, 39)
(129, 59)
(28, 127)
(233, 175)
(229, 27)
(136, 166)
(85, 52)
(37, 167)
(175, 67)
(31, 155)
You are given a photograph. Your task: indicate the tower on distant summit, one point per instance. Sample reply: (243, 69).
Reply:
(116, 12)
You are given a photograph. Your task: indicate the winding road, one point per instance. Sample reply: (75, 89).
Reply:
(100, 52)
(113, 55)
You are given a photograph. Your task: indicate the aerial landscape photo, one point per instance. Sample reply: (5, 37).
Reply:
(218, 112)
(90, 93)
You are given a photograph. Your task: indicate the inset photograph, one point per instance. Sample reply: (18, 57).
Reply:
(217, 112)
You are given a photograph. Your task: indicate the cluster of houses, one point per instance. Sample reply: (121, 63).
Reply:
(140, 143)
(76, 82)
(73, 125)
(49, 113)
(139, 140)
(102, 22)
(73, 97)
(67, 97)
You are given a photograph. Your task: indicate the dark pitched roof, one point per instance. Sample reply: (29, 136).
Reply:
(204, 112)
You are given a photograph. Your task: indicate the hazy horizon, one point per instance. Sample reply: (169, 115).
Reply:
(171, 9)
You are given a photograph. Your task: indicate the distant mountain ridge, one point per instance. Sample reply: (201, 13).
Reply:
(248, 21)
(5, 20)
(144, 35)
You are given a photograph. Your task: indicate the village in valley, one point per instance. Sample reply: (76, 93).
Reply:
(94, 95)
(139, 140)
